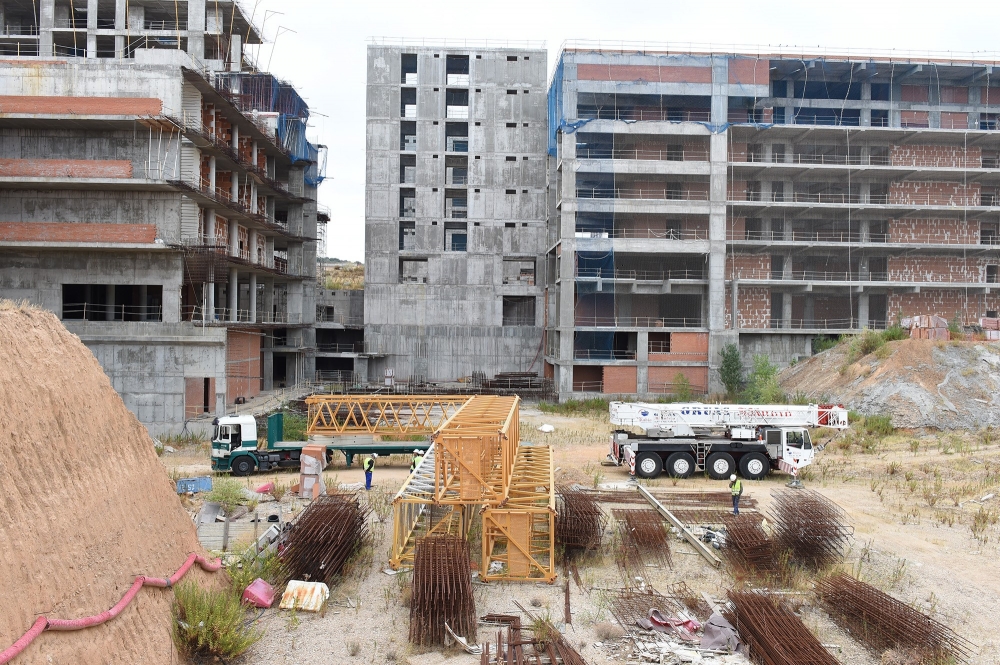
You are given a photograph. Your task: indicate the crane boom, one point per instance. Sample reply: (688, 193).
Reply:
(684, 418)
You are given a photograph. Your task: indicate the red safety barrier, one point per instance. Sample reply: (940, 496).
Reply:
(42, 624)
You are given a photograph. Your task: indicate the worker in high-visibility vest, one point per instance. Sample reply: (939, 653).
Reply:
(736, 487)
(369, 466)
(417, 456)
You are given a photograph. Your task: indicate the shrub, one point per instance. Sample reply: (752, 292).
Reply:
(762, 383)
(250, 566)
(821, 344)
(210, 623)
(731, 370)
(608, 631)
(294, 427)
(895, 333)
(879, 425)
(226, 492)
(576, 407)
(682, 387)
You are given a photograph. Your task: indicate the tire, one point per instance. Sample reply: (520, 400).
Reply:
(720, 466)
(242, 466)
(648, 465)
(754, 466)
(680, 465)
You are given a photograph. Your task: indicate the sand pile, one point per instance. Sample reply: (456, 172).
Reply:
(921, 383)
(85, 505)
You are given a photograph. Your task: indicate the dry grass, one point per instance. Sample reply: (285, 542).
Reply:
(16, 306)
(344, 277)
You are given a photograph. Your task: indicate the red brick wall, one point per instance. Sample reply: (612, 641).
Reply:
(934, 193)
(754, 305)
(737, 152)
(586, 377)
(942, 302)
(915, 118)
(736, 190)
(937, 269)
(80, 105)
(954, 120)
(243, 370)
(684, 346)
(749, 72)
(831, 308)
(989, 95)
(737, 227)
(77, 232)
(953, 94)
(658, 376)
(934, 231)
(644, 73)
(194, 396)
(619, 379)
(749, 266)
(914, 93)
(696, 191)
(936, 155)
(66, 168)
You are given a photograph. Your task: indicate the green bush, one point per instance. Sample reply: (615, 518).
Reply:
(879, 425)
(821, 344)
(226, 492)
(576, 407)
(682, 387)
(210, 623)
(895, 333)
(249, 567)
(294, 426)
(731, 369)
(762, 383)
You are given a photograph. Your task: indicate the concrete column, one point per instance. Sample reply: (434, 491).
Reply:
(121, 25)
(786, 268)
(209, 313)
(46, 21)
(253, 245)
(236, 53)
(253, 297)
(866, 111)
(211, 173)
(234, 238)
(642, 362)
(233, 291)
(109, 298)
(734, 295)
(91, 28)
(209, 238)
(253, 196)
(236, 138)
(234, 193)
(196, 28)
(786, 310)
(268, 313)
(862, 310)
(253, 154)
(143, 302)
(810, 311)
(267, 366)
(865, 230)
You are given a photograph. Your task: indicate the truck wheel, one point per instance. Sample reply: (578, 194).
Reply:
(648, 465)
(754, 466)
(680, 465)
(720, 466)
(242, 466)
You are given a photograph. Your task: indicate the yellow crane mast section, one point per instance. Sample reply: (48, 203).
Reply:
(331, 415)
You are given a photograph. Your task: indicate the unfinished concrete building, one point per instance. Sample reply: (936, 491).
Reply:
(455, 210)
(340, 336)
(159, 196)
(703, 199)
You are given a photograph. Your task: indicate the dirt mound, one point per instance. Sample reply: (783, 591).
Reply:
(920, 383)
(85, 505)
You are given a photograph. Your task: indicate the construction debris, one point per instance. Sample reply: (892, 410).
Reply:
(810, 526)
(442, 591)
(881, 622)
(547, 645)
(774, 634)
(306, 596)
(330, 531)
(643, 541)
(632, 607)
(579, 521)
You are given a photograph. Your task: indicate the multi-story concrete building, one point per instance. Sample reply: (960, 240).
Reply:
(705, 199)
(159, 195)
(455, 210)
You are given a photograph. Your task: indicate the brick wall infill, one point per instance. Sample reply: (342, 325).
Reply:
(754, 307)
(934, 193)
(77, 232)
(934, 231)
(65, 168)
(56, 105)
(937, 269)
(942, 302)
(620, 379)
(941, 156)
(748, 266)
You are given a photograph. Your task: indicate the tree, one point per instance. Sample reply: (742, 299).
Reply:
(762, 383)
(731, 371)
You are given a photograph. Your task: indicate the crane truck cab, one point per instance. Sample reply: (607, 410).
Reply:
(234, 444)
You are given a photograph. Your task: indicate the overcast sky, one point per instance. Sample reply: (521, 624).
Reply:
(325, 55)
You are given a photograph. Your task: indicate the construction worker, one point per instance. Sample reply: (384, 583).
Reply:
(369, 466)
(417, 456)
(736, 487)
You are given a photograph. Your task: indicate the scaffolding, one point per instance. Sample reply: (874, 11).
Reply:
(476, 463)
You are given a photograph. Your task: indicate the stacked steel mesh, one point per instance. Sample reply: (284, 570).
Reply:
(442, 591)
(810, 527)
(643, 540)
(629, 606)
(750, 548)
(324, 538)
(881, 622)
(579, 521)
(773, 633)
(512, 648)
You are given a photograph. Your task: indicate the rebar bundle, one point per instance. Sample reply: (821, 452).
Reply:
(512, 648)
(630, 605)
(330, 531)
(881, 622)
(773, 633)
(672, 500)
(579, 522)
(643, 540)
(442, 591)
(810, 526)
(749, 547)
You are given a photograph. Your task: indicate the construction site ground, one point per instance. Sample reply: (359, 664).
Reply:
(912, 498)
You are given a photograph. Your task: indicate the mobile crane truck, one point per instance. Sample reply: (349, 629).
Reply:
(722, 439)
